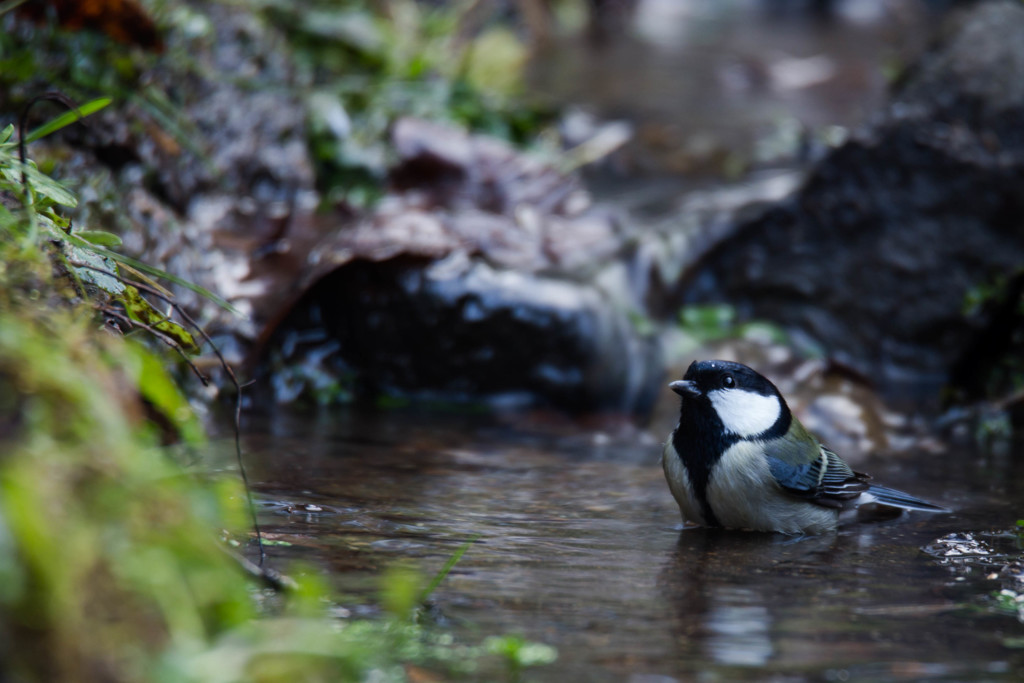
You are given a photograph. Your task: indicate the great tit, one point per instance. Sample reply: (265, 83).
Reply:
(739, 459)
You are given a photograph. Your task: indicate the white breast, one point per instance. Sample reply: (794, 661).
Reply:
(679, 484)
(744, 495)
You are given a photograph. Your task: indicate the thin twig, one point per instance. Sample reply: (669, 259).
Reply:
(113, 312)
(238, 405)
(227, 369)
(270, 577)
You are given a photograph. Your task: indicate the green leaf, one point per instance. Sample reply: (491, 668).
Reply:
(67, 118)
(101, 271)
(156, 272)
(94, 269)
(400, 589)
(7, 219)
(41, 183)
(157, 387)
(100, 237)
(519, 652)
(709, 321)
(140, 309)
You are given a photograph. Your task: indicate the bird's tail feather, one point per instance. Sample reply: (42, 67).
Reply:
(894, 498)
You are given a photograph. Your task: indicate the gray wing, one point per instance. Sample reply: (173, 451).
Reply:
(808, 470)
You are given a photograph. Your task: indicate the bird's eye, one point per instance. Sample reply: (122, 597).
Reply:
(728, 382)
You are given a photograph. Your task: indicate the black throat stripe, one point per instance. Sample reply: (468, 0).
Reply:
(699, 455)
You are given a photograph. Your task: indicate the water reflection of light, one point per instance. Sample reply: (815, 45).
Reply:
(663, 21)
(738, 627)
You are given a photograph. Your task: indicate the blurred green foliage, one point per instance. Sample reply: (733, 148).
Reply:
(111, 563)
(115, 554)
(519, 653)
(110, 557)
(82, 62)
(715, 322)
(995, 366)
(1011, 603)
(368, 63)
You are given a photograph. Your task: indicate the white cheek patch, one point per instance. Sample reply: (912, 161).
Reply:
(744, 413)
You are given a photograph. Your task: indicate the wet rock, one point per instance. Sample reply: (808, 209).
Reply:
(959, 545)
(1014, 571)
(873, 256)
(674, 249)
(473, 281)
(461, 330)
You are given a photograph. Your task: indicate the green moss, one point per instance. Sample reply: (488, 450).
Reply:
(993, 366)
(112, 566)
(111, 546)
(714, 322)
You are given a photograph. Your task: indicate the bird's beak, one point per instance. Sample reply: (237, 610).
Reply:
(684, 388)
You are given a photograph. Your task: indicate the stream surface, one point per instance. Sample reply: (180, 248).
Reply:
(580, 547)
(709, 84)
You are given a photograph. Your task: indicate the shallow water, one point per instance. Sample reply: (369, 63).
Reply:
(580, 547)
(710, 83)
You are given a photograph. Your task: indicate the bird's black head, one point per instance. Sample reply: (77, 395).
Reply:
(730, 398)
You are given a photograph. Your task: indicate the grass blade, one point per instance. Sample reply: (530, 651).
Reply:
(67, 118)
(452, 561)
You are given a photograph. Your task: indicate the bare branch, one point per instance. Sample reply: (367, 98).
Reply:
(114, 313)
(227, 369)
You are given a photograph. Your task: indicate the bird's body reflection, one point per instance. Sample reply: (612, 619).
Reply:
(715, 581)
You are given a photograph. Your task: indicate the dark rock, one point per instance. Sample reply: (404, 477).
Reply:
(472, 282)
(458, 330)
(874, 255)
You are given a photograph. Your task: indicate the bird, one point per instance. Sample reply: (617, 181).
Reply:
(740, 459)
